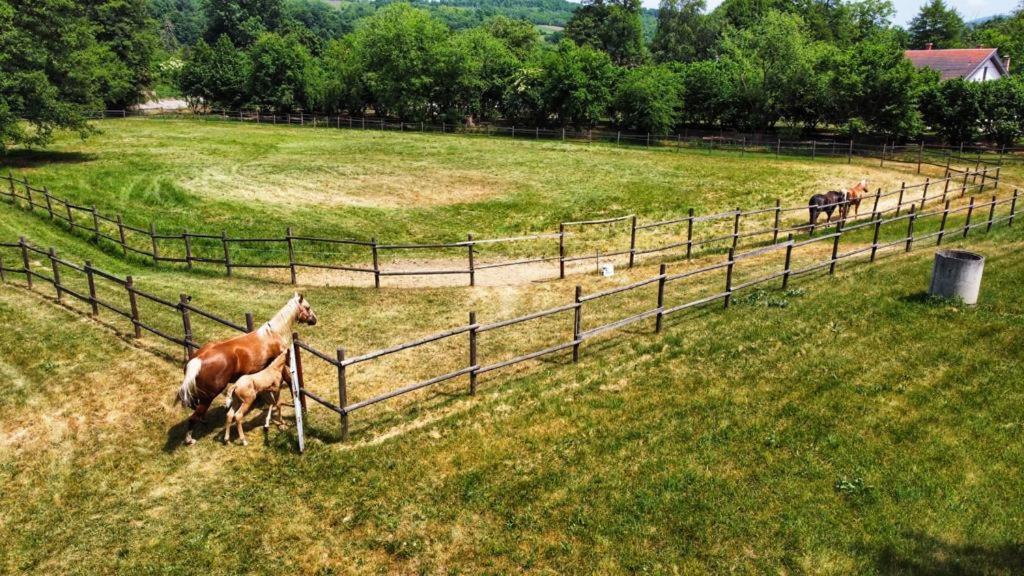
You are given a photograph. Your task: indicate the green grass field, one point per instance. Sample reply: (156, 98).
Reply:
(847, 425)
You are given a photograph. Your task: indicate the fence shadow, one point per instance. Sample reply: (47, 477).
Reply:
(37, 158)
(930, 556)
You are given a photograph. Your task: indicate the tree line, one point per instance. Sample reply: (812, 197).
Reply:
(788, 65)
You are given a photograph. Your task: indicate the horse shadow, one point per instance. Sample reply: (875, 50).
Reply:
(213, 425)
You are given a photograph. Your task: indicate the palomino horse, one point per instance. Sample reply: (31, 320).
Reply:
(216, 364)
(242, 394)
(853, 197)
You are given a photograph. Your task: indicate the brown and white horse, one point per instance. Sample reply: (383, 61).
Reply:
(217, 364)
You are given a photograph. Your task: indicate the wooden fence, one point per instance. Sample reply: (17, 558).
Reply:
(908, 228)
(571, 243)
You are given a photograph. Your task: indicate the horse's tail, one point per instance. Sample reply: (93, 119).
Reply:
(187, 392)
(229, 393)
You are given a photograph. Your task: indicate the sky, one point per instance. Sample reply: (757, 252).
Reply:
(907, 9)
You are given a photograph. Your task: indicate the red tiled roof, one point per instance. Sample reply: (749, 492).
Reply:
(954, 63)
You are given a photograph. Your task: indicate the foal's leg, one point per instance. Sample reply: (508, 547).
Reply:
(270, 410)
(227, 424)
(239, 417)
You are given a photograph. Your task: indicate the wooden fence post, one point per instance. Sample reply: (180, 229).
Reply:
(156, 249)
(95, 224)
(814, 149)
(775, 226)
(910, 228)
(250, 324)
(689, 233)
(942, 224)
(924, 195)
(470, 248)
(878, 196)
(342, 393)
(736, 227)
(121, 236)
(25, 261)
(56, 273)
(472, 352)
(561, 250)
(945, 186)
(789, 260)
(728, 278)
(227, 252)
(92, 288)
(49, 201)
(376, 262)
(129, 285)
(899, 201)
(291, 253)
(920, 153)
(970, 211)
(1013, 207)
(301, 385)
(991, 214)
(186, 323)
(881, 159)
(632, 241)
(849, 153)
(71, 216)
(188, 248)
(963, 187)
(874, 240)
(996, 178)
(835, 247)
(3, 273)
(577, 322)
(661, 298)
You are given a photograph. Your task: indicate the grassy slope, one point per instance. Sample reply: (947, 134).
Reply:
(856, 428)
(401, 187)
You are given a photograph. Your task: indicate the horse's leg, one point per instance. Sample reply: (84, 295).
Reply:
(239, 417)
(277, 405)
(198, 415)
(227, 425)
(270, 411)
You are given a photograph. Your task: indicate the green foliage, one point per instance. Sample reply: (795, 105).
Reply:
(243, 21)
(280, 69)
(395, 57)
(649, 99)
(49, 62)
(215, 75)
(684, 33)
(473, 68)
(1004, 33)
(890, 88)
(1002, 104)
(578, 84)
(937, 24)
(518, 35)
(179, 22)
(953, 109)
(613, 27)
(126, 33)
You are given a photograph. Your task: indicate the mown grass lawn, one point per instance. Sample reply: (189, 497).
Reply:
(399, 187)
(849, 425)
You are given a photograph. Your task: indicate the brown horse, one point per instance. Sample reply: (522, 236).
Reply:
(854, 196)
(211, 368)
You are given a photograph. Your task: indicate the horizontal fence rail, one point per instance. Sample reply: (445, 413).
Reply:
(776, 263)
(573, 242)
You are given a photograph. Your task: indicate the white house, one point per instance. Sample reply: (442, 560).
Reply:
(972, 64)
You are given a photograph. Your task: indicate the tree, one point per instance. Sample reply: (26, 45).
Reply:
(48, 70)
(215, 75)
(395, 54)
(518, 35)
(523, 99)
(578, 84)
(128, 34)
(1002, 110)
(937, 24)
(953, 109)
(708, 91)
(278, 74)
(889, 87)
(180, 22)
(473, 67)
(613, 27)
(649, 99)
(772, 63)
(684, 33)
(243, 21)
